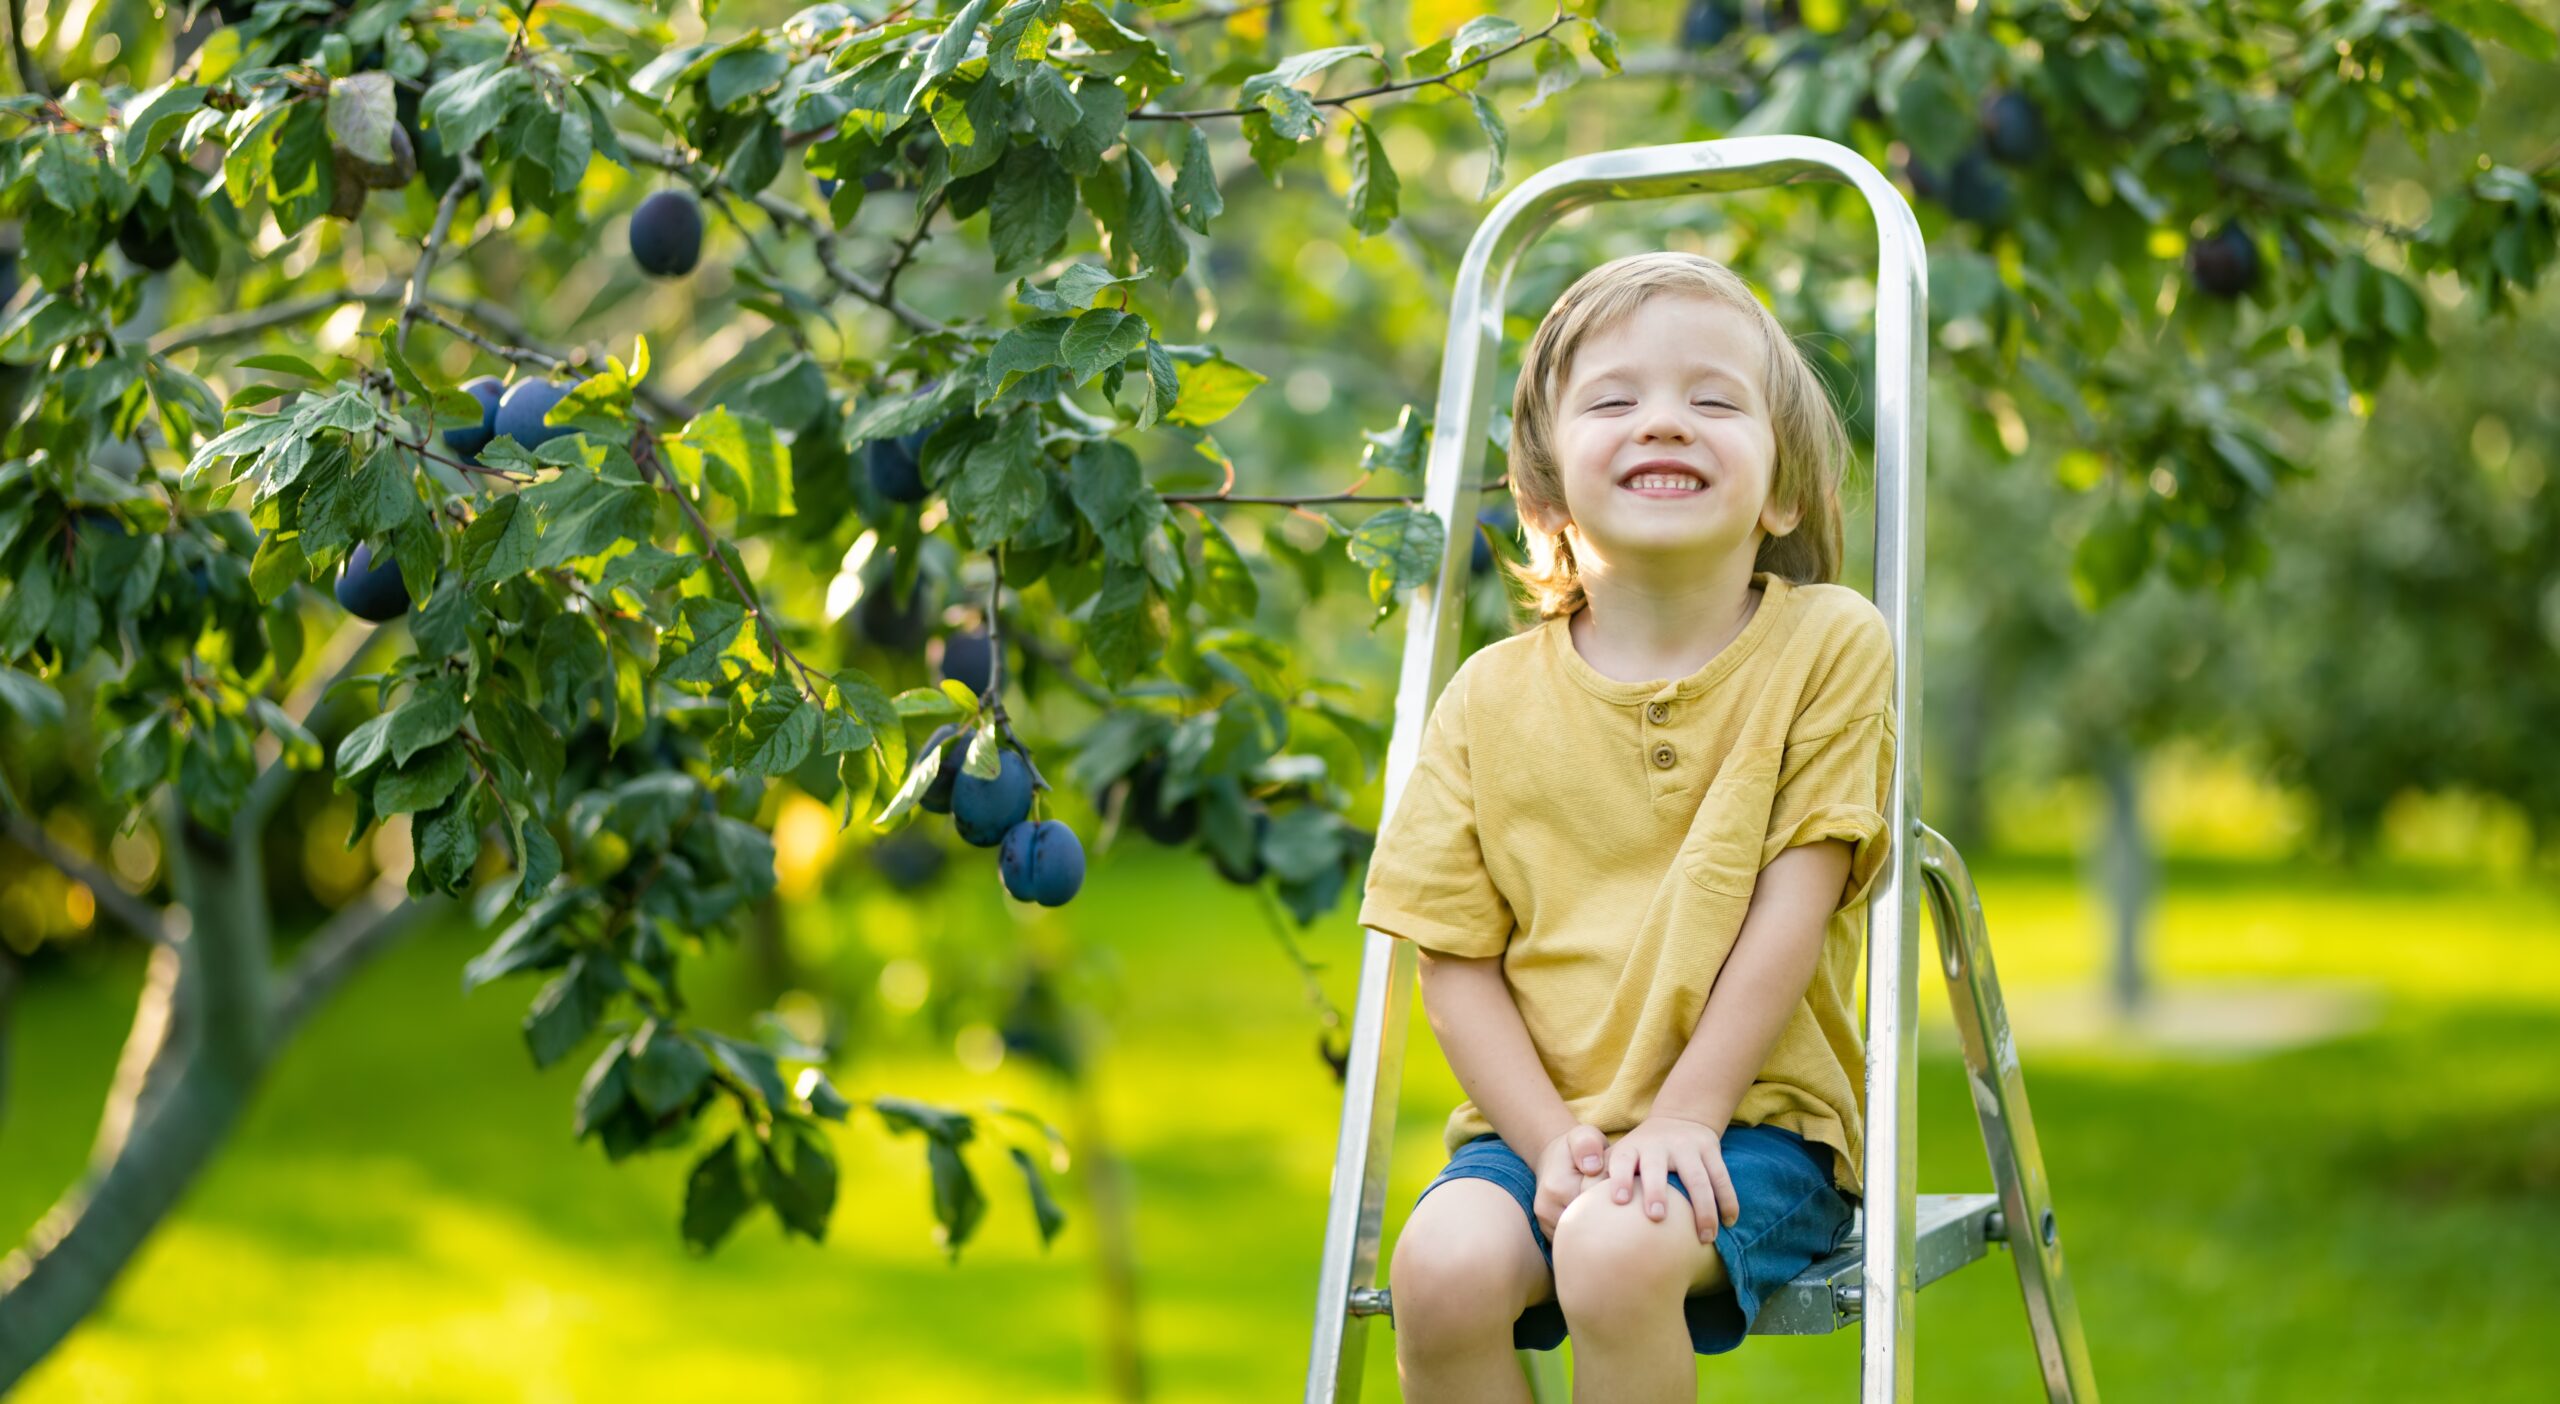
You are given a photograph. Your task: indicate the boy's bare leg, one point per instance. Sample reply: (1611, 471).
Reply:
(1621, 1277)
(1465, 1267)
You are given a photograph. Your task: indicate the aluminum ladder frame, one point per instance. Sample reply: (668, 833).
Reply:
(1874, 1280)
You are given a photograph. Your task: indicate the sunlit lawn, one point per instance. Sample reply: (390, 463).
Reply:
(404, 1217)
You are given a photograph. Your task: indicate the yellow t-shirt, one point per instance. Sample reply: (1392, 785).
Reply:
(1603, 838)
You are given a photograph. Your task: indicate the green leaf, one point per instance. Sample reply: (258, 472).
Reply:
(1099, 340)
(1211, 389)
(530, 943)
(1195, 183)
(424, 782)
(761, 463)
(500, 543)
(364, 747)
(1030, 210)
(796, 1173)
(1147, 222)
(1044, 1210)
(713, 626)
(743, 73)
(1498, 135)
(277, 565)
(432, 714)
(1400, 547)
(780, 732)
(952, 46)
(567, 1009)
(1374, 188)
(447, 842)
(667, 1069)
(604, 1089)
(1000, 486)
(1126, 630)
(361, 118)
(715, 1196)
(1227, 582)
(151, 115)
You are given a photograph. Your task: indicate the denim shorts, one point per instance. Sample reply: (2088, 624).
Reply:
(1792, 1217)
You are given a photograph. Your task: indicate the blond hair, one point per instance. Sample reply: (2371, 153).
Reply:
(1812, 444)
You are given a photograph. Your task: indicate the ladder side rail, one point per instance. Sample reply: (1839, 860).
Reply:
(1373, 1077)
(1999, 1095)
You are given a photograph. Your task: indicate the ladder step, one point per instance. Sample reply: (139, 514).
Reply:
(1954, 1229)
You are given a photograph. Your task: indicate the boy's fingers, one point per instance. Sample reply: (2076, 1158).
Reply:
(1702, 1207)
(1729, 1203)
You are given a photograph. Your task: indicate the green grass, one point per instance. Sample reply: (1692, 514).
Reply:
(403, 1216)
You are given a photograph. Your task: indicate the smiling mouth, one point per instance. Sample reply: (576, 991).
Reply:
(1665, 484)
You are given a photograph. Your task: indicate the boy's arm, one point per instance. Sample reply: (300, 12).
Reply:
(1763, 979)
(1481, 1033)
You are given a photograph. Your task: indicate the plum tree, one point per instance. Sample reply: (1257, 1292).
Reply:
(2225, 262)
(372, 588)
(666, 233)
(469, 440)
(617, 663)
(1041, 861)
(521, 412)
(981, 810)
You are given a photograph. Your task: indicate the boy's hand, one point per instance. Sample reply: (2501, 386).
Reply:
(1643, 1159)
(1571, 1163)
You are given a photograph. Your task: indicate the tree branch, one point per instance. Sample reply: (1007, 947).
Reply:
(1441, 78)
(113, 897)
(425, 268)
(351, 937)
(31, 77)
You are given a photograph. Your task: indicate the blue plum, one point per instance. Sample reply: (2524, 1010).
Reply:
(968, 658)
(666, 234)
(1041, 862)
(983, 809)
(520, 413)
(937, 791)
(373, 589)
(468, 442)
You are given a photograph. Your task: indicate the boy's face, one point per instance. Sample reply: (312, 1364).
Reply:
(1680, 379)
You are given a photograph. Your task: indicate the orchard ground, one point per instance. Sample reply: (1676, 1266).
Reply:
(404, 1217)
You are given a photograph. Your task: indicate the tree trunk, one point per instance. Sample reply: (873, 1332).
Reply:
(2129, 879)
(197, 1050)
(1114, 1243)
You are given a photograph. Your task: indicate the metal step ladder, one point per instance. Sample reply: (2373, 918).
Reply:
(1902, 1240)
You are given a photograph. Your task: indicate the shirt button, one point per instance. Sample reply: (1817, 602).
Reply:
(1658, 712)
(1664, 756)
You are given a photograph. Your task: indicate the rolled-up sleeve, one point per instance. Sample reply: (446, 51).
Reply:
(1836, 786)
(1836, 778)
(1427, 880)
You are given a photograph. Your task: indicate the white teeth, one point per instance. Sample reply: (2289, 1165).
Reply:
(1665, 480)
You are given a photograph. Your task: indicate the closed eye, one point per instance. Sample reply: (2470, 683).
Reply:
(1604, 404)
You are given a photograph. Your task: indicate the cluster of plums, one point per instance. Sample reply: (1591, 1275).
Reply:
(1175, 826)
(371, 586)
(2009, 131)
(1040, 860)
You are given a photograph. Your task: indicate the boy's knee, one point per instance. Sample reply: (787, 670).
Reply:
(1610, 1256)
(1450, 1287)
